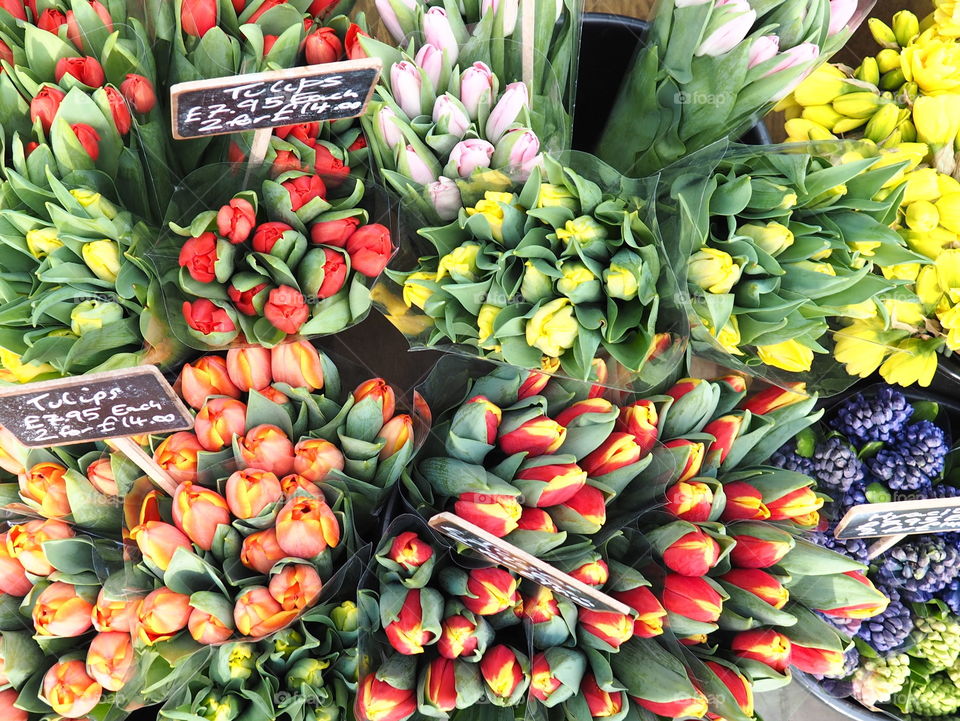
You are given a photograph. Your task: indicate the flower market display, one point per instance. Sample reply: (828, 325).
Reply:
(627, 412)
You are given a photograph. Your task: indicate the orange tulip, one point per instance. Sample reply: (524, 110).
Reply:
(12, 453)
(458, 637)
(379, 390)
(207, 629)
(765, 645)
(44, 484)
(13, 576)
(110, 659)
(113, 615)
(257, 613)
(60, 611)
(9, 712)
(198, 511)
(251, 490)
(267, 447)
(739, 686)
(801, 506)
(409, 551)
(177, 455)
(249, 368)
(100, 475)
(395, 434)
(158, 541)
(25, 543)
(162, 614)
(260, 551)
(314, 458)
(297, 364)
(533, 384)
(293, 483)
(219, 421)
(207, 377)
(760, 583)
(693, 459)
(744, 503)
(68, 690)
(296, 587)
(692, 598)
(695, 706)
(306, 527)
(502, 672)
(772, 398)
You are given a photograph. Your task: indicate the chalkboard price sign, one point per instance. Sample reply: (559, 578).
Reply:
(93, 407)
(253, 101)
(898, 519)
(525, 564)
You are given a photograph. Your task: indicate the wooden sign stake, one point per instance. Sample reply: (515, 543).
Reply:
(529, 20)
(884, 544)
(258, 151)
(135, 453)
(526, 564)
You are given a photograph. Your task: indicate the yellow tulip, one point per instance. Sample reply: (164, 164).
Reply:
(584, 230)
(621, 282)
(713, 270)
(927, 286)
(937, 119)
(493, 212)
(417, 294)
(903, 271)
(790, 355)
(91, 315)
(859, 348)
(95, 203)
(913, 362)
(772, 238)
(553, 196)
(553, 328)
(930, 244)
(865, 248)
(822, 86)
(575, 274)
(14, 370)
(921, 185)
(485, 320)
(536, 285)
(948, 272)
(946, 18)
(729, 335)
(948, 211)
(904, 312)
(934, 65)
(460, 263)
(814, 267)
(42, 241)
(103, 258)
(922, 216)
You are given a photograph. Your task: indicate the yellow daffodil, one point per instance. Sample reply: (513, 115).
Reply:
(921, 184)
(927, 287)
(553, 328)
(913, 362)
(860, 348)
(904, 312)
(790, 355)
(930, 244)
(948, 211)
(948, 273)
(933, 64)
(903, 271)
(922, 216)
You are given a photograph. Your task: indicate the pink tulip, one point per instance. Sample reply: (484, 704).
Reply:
(406, 82)
(389, 16)
(417, 169)
(389, 130)
(8, 711)
(438, 32)
(110, 660)
(735, 17)
(763, 48)
(509, 12)
(476, 87)
(470, 154)
(840, 13)
(517, 149)
(803, 53)
(430, 58)
(508, 108)
(450, 116)
(444, 195)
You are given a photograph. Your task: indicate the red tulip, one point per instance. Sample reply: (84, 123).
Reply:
(867, 609)
(199, 256)
(8, 711)
(296, 587)
(329, 166)
(351, 42)
(502, 672)
(139, 93)
(490, 591)
(537, 436)
(737, 383)
(533, 384)
(492, 416)
(602, 704)
(693, 554)
(539, 607)
(495, 513)
(744, 503)
(306, 133)
(256, 613)
(286, 309)
(320, 7)
(379, 701)
(801, 506)
(261, 551)
(205, 317)
(74, 34)
(158, 541)
(334, 273)
(306, 526)
(575, 410)
(820, 661)
(68, 690)
(15, 8)
(267, 447)
(236, 220)
(682, 387)
(177, 455)
(409, 551)
(690, 501)
(208, 629)
(760, 583)
(594, 573)
(738, 685)
(406, 634)
(692, 598)
(772, 398)
(536, 519)
(219, 421)
(640, 421)
(267, 234)
(650, 613)
(162, 615)
(694, 707)
(249, 368)
(614, 629)
(543, 682)
(88, 138)
(334, 232)
(617, 451)
(246, 301)
(694, 458)
(60, 611)
(555, 483)
(207, 376)
(198, 511)
(87, 70)
(110, 660)
(589, 503)
(25, 544)
(369, 248)
(198, 16)
(753, 552)
(440, 685)
(50, 20)
(764, 645)
(283, 162)
(379, 390)
(45, 105)
(458, 637)
(303, 189)
(264, 6)
(323, 46)
(725, 431)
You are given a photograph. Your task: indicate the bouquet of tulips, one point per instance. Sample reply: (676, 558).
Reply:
(904, 99)
(778, 249)
(710, 68)
(294, 259)
(550, 275)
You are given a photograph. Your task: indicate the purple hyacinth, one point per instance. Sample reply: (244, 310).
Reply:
(855, 548)
(891, 628)
(788, 459)
(925, 446)
(877, 418)
(951, 596)
(899, 473)
(835, 464)
(847, 626)
(920, 567)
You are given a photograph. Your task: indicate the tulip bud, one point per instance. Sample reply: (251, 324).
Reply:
(451, 118)
(514, 100)
(437, 31)
(800, 505)
(45, 104)
(380, 392)
(43, 486)
(495, 513)
(388, 126)
(61, 611)
(177, 455)
(210, 629)
(690, 463)
(296, 587)
(306, 527)
(345, 617)
(257, 613)
(334, 232)
(821, 661)
(744, 503)
(760, 583)
(449, 685)
(593, 573)
(249, 368)
(198, 511)
(518, 148)
(379, 700)
(405, 84)
(267, 448)
(693, 598)
(158, 542)
(650, 615)
(431, 60)
(219, 420)
(100, 474)
(50, 20)
(764, 645)
(198, 16)
(690, 501)
(639, 420)
(409, 551)
(729, 24)
(693, 554)
(694, 706)
(162, 615)
(25, 545)
(505, 673)
(94, 315)
(297, 364)
(737, 684)
(87, 70)
(316, 458)
(322, 46)
(585, 512)
(556, 675)
(874, 602)
(8, 697)
(370, 248)
(261, 551)
(604, 630)
(467, 156)
(618, 451)
(110, 660)
(250, 491)
(601, 703)
(208, 376)
(537, 436)
(68, 690)
(444, 196)
(549, 484)
(725, 431)
(759, 545)
(416, 624)
(477, 83)
(139, 93)
(772, 398)
(490, 591)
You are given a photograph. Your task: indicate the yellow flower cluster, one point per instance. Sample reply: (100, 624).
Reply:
(904, 102)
